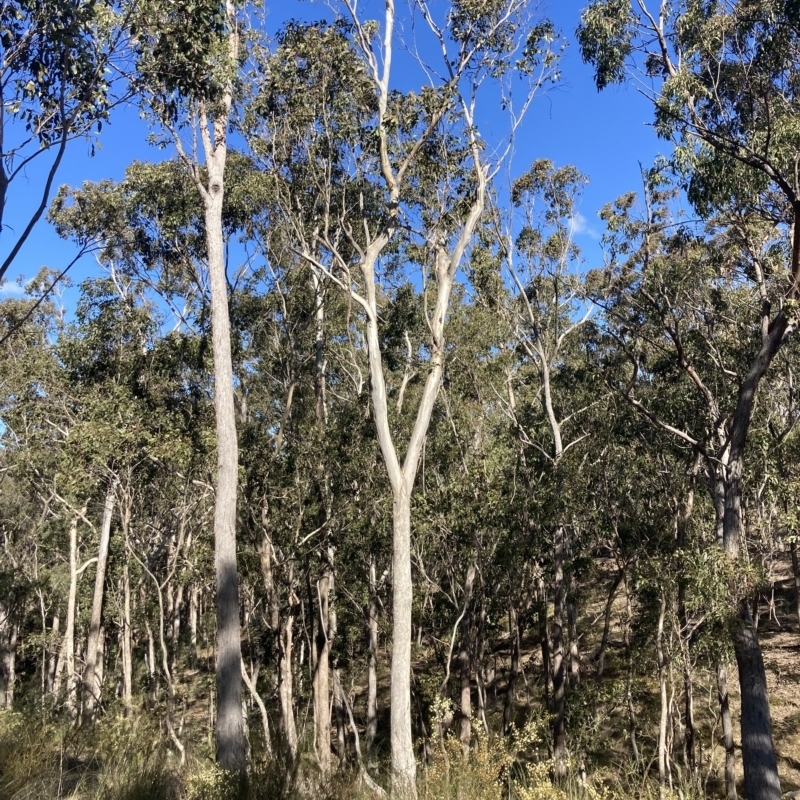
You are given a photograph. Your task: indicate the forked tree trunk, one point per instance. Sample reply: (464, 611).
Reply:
(92, 682)
(601, 655)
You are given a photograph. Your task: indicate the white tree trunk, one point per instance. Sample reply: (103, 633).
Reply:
(91, 674)
(372, 666)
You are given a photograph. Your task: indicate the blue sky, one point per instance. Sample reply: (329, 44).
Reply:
(605, 135)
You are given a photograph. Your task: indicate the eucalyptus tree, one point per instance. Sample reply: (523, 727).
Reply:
(187, 62)
(62, 70)
(680, 303)
(151, 228)
(723, 81)
(25, 434)
(404, 149)
(547, 313)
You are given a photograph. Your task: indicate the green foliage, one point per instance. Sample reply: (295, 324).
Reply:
(606, 40)
(181, 52)
(56, 59)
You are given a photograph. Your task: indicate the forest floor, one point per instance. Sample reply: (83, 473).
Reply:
(597, 721)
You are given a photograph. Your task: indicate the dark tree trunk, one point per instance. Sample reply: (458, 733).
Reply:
(727, 732)
(796, 573)
(601, 656)
(758, 751)
(508, 705)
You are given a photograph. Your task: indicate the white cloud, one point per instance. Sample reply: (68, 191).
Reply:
(9, 289)
(579, 226)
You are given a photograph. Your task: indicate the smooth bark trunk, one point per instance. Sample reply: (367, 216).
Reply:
(662, 685)
(321, 677)
(127, 629)
(372, 661)
(92, 684)
(404, 765)
(193, 611)
(66, 661)
(465, 661)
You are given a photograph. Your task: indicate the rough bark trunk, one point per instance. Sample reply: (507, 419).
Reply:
(559, 681)
(339, 703)
(727, 732)
(285, 680)
(629, 677)
(758, 750)
(508, 704)
(9, 630)
(91, 678)
(53, 660)
(796, 573)
(544, 644)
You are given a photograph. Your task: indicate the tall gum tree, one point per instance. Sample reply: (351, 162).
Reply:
(723, 81)
(404, 180)
(679, 308)
(187, 64)
(543, 263)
